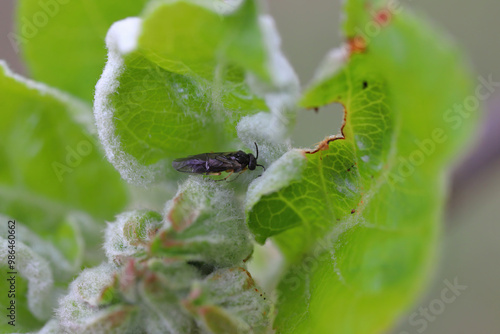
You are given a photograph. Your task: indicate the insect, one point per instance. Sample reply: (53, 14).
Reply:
(218, 162)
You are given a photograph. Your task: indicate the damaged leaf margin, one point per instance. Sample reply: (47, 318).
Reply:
(358, 221)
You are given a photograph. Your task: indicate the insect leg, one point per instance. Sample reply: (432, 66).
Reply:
(231, 171)
(244, 169)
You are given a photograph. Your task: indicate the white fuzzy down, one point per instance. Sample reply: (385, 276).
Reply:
(121, 39)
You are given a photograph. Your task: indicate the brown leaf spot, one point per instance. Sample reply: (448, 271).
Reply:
(383, 17)
(356, 44)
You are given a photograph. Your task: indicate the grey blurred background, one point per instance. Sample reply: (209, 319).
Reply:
(471, 238)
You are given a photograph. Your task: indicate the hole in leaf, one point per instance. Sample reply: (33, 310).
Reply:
(312, 127)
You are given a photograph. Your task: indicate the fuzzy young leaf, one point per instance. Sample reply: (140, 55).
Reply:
(130, 234)
(203, 223)
(358, 218)
(79, 309)
(161, 296)
(228, 301)
(62, 41)
(179, 80)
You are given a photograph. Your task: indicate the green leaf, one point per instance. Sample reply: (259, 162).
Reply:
(53, 169)
(358, 218)
(62, 41)
(178, 81)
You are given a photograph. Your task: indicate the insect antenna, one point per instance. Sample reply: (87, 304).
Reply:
(257, 155)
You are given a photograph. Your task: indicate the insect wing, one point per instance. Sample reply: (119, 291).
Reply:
(205, 163)
(190, 165)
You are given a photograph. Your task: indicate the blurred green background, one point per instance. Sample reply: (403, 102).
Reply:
(471, 238)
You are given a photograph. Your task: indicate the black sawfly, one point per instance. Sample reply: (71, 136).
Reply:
(217, 162)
